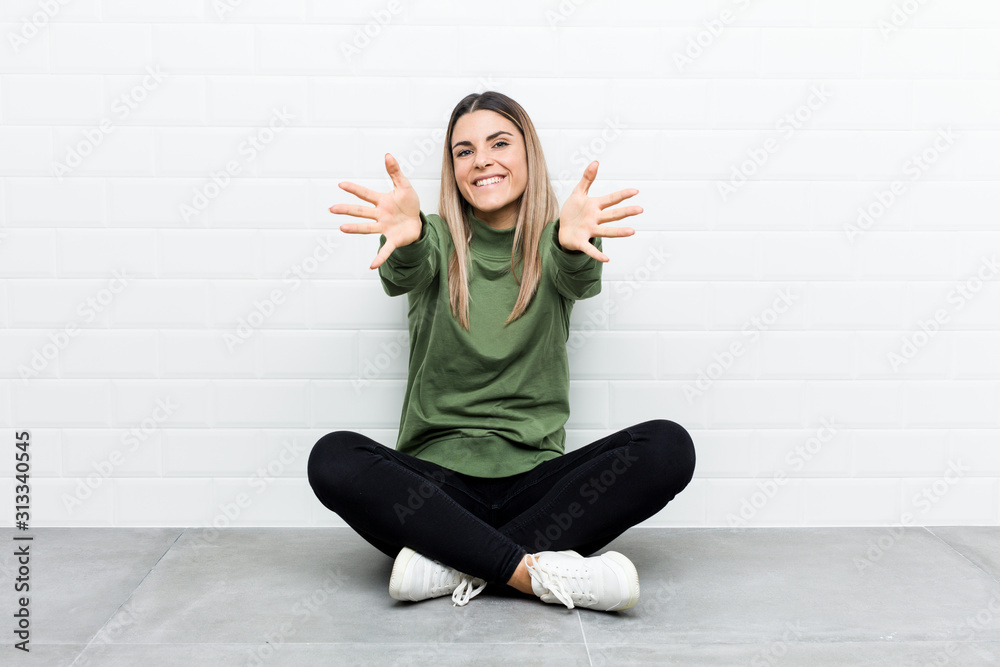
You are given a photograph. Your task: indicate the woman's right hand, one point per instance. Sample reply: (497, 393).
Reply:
(396, 214)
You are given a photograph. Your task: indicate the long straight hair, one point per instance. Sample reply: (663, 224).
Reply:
(537, 207)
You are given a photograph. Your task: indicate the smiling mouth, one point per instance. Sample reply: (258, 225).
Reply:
(496, 180)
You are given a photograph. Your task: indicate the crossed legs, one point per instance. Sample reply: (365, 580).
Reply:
(486, 527)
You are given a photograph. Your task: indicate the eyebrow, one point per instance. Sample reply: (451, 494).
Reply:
(489, 138)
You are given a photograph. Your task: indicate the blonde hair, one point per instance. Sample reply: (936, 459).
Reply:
(538, 206)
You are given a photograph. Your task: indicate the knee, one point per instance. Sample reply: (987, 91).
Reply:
(673, 449)
(327, 458)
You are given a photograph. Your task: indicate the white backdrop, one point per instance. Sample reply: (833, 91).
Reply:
(812, 290)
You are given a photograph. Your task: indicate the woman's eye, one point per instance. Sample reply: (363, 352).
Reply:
(464, 151)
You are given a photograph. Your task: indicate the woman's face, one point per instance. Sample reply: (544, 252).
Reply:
(485, 144)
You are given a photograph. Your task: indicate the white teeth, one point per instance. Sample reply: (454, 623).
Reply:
(490, 181)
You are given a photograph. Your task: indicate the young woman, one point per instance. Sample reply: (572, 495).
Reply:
(478, 488)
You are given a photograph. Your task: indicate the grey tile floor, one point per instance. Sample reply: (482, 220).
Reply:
(319, 596)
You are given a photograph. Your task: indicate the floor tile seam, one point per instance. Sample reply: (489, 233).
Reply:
(128, 597)
(583, 634)
(966, 558)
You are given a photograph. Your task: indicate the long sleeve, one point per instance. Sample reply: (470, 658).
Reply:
(413, 266)
(576, 274)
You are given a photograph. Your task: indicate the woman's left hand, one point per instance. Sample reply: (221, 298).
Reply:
(582, 216)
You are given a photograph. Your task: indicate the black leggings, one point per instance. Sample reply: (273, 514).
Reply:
(482, 526)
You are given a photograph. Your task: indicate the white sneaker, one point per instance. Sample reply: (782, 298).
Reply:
(608, 582)
(415, 577)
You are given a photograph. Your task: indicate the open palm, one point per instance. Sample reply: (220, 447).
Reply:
(396, 214)
(581, 216)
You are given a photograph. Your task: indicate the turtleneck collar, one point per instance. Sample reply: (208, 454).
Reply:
(489, 242)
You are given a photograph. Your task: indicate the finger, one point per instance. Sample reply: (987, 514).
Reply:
(355, 210)
(589, 174)
(614, 232)
(399, 180)
(592, 250)
(369, 196)
(383, 253)
(361, 228)
(616, 197)
(618, 213)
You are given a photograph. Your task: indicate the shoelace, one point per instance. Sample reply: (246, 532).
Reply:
(562, 585)
(465, 590)
(442, 576)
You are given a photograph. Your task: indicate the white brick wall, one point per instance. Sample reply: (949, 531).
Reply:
(202, 148)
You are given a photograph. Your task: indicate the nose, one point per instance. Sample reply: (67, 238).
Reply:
(482, 161)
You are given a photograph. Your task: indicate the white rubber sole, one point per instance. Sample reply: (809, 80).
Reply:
(631, 576)
(398, 569)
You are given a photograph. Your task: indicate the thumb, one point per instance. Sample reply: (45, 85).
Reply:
(589, 174)
(383, 254)
(395, 173)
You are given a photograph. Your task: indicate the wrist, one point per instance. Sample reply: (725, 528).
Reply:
(562, 247)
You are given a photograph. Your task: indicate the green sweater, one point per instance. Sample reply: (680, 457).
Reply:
(491, 402)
